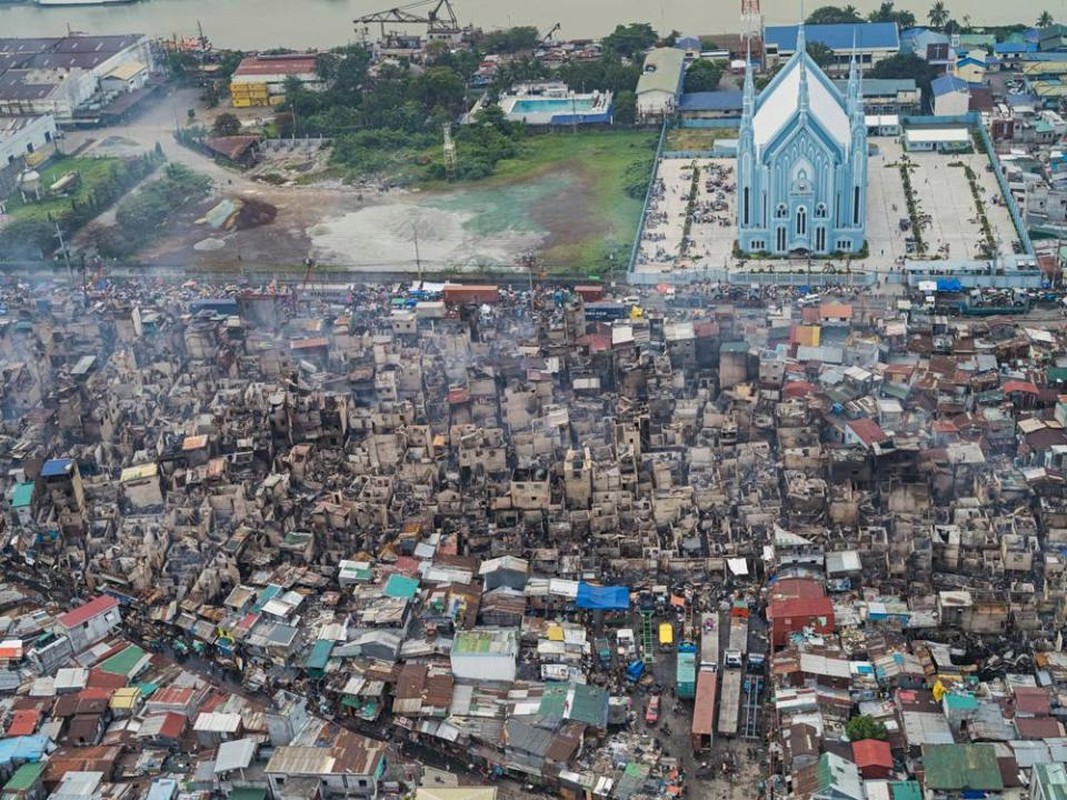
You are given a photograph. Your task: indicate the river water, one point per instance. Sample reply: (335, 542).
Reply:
(251, 24)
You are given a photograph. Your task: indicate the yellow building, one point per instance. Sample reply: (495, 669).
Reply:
(260, 80)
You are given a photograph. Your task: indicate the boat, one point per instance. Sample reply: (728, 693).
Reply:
(82, 2)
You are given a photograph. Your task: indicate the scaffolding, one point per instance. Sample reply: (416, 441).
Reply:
(648, 638)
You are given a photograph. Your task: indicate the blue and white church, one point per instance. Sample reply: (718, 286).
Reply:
(802, 162)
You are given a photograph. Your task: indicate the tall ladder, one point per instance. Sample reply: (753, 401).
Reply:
(648, 638)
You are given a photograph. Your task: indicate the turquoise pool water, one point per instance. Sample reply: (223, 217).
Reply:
(551, 105)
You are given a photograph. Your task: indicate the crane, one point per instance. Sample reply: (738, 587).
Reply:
(550, 35)
(441, 19)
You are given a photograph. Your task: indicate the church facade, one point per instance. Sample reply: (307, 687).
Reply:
(802, 162)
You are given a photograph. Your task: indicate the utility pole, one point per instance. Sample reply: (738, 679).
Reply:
(418, 261)
(63, 248)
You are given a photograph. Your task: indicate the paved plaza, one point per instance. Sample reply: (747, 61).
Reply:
(952, 230)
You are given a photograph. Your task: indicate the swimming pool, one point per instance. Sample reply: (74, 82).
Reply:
(552, 105)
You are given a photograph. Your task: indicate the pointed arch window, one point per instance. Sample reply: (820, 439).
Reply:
(821, 211)
(802, 221)
(781, 211)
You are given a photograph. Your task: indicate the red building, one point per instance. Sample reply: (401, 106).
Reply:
(795, 604)
(874, 759)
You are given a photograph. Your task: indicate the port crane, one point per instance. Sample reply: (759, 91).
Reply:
(440, 20)
(549, 37)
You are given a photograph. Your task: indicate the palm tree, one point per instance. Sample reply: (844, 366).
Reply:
(938, 15)
(1045, 20)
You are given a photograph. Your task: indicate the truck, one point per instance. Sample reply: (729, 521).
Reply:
(734, 657)
(709, 642)
(686, 673)
(471, 294)
(702, 731)
(729, 702)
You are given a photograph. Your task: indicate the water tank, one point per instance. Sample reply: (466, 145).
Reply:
(30, 182)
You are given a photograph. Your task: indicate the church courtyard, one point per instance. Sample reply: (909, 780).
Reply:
(951, 229)
(713, 223)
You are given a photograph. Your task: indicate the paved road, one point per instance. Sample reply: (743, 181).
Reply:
(157, 124)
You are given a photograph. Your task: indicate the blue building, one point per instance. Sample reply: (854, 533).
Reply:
(802, 162)
(865, 42)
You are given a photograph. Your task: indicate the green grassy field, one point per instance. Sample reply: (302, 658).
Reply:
(570, 186)
(697, 138)
(93, 172)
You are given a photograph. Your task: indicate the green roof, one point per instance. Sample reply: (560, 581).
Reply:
(25, 777)
(125, 662)
(1052, 778)
(961, 702)
(590, 705)
(265, 596)
(401, 586)
(320, 654)
(734, 347)
(23, 495)
(905, 790)
(1056, 374)
(956, 767)
(248, 793)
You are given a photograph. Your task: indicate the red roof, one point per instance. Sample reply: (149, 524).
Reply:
(95, 693)
(173, 725)
(800, 607)
(23, 723)
(82, 614)
(1019, 386)
(106, 680)
(1032, 701)
(872, 753)
(789, 588)
(292, 64)
(798, 389)
(868, 431)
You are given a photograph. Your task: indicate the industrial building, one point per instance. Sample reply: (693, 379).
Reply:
(260, 80)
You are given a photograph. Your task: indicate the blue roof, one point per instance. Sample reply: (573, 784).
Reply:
(603, 597)
(688, 43)
(866, 35)
(1010, 48)
(947, 84)
(711, 101)
(23, 748)
(57, 467)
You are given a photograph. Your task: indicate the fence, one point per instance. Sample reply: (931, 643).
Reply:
(636, 248)
(749, 278)
(973, 121)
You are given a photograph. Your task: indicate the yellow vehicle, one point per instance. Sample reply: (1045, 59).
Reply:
(666, 636)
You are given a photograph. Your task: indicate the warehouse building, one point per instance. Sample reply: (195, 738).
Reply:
(260, 80)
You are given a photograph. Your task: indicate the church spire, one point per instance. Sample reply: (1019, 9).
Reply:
(748, 103)
(802, 42)
(853, 78)
(803, 100)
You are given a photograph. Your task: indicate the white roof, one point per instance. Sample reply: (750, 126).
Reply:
(237, 754)
(779, 103)
(937, 135)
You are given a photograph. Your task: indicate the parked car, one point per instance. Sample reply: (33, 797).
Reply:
(652, 712)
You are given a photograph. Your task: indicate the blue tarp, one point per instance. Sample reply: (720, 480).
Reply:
(949, 285)
(603, 598)
(23, 748)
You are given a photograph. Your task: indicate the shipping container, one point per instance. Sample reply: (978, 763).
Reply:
(460, 294)
(729, 702)
(686, 674)
(703, 728)
(709, 641)
(606, 312)
(666, 635)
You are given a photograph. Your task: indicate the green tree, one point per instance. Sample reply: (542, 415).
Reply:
(630, 41)
(762, 81)
(865, 726)
(906, 65)
(440, 87)
(887, 12)
(1045, 20)
(821, 54)
(27, 238)
(703, 76)
(938, 15)
(226, 124)
(510, 40)
(625, 107)
(834, 15)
